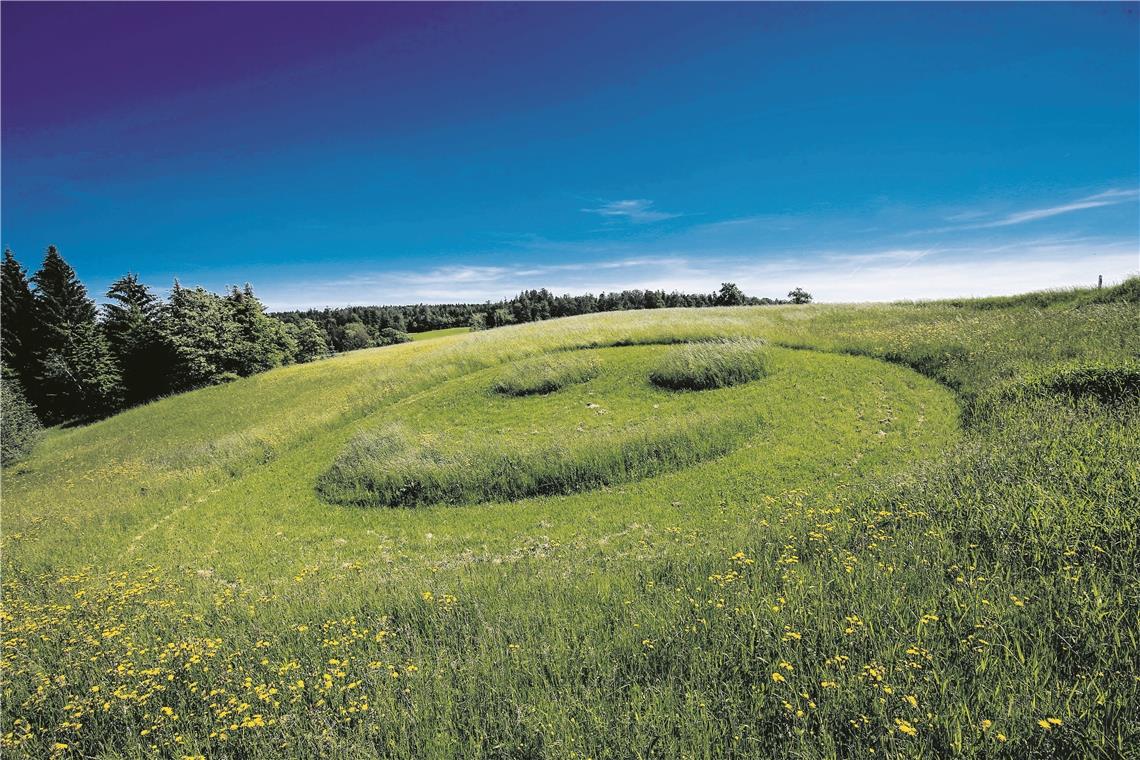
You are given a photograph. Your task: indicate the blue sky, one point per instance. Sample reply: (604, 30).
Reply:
(367, 153)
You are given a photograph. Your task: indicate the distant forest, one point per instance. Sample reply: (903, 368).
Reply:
(352, 327)
(66, 359)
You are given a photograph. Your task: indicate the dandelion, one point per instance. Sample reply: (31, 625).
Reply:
(986, 724)
(905, 727)
(911, 700)
(777, 677)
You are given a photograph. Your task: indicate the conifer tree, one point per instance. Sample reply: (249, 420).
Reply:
(197, 331)
(17, 320)
(131, 325)
(76, 374)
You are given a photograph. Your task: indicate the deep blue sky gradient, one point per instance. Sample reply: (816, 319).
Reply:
(371, 153)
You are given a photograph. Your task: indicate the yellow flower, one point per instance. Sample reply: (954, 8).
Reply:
(777, 678)
(911, 700)
(1049, 723)
(986, 724)
(1000, 737)
(905, 727)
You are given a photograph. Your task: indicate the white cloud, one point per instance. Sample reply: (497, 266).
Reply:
(871, 275)
(638, 211)
(1106, 198)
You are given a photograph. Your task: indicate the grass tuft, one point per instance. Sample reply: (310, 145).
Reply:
(712, 364)
(546, 374)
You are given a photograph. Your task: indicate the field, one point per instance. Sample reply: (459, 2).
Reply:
(836, 531)
(429, 334)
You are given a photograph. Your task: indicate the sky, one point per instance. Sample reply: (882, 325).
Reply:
(362, 153)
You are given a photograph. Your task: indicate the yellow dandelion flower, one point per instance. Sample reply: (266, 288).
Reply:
(905, 727)
(777, 678)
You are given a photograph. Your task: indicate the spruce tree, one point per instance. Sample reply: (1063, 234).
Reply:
(17, 320)
(131, 325)
(262, 342)
(199, 334)
(76, 374)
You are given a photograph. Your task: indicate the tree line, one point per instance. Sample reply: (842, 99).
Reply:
(64, 359)
(346, 327)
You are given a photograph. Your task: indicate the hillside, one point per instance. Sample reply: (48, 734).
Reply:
(907, 529)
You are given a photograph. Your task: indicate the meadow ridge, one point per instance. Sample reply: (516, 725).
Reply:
(900, 529)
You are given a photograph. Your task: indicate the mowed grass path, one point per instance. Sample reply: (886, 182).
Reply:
(807, 594)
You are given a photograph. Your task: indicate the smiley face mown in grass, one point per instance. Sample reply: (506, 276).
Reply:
(558, 424)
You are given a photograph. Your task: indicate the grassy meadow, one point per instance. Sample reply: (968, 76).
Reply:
(429, 334)
(895, 530)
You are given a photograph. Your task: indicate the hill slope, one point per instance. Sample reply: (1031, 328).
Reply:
(847, 569)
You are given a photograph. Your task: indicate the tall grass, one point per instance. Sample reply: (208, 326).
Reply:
(711, 364)
(546, 374)
(389, 468)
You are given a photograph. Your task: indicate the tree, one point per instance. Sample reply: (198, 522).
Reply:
(799, 295)
(310, 339)
(257, 341)
(21, 428)
(356, 336)
(500, 317)
(389, 336)
(77, 375)
(17, 320)
(729, 295)
(199, 335)
(80, 378)
(654, 299)
(131, 325)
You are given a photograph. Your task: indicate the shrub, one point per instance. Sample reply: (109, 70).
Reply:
(19, 427)
(546, 374)
(712, 364)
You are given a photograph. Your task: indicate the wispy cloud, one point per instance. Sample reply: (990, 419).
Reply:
(1106, 198)
(638, 211)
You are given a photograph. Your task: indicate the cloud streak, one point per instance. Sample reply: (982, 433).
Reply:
(638, 211)
(1106, 198)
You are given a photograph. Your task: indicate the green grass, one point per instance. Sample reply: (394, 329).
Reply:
(919, 586)
(711, 364)
(429, 334)
(612, 429)
(546, 374)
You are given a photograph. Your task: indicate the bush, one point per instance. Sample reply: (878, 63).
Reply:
(712, 364)
(546, 374)
(19, 427)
